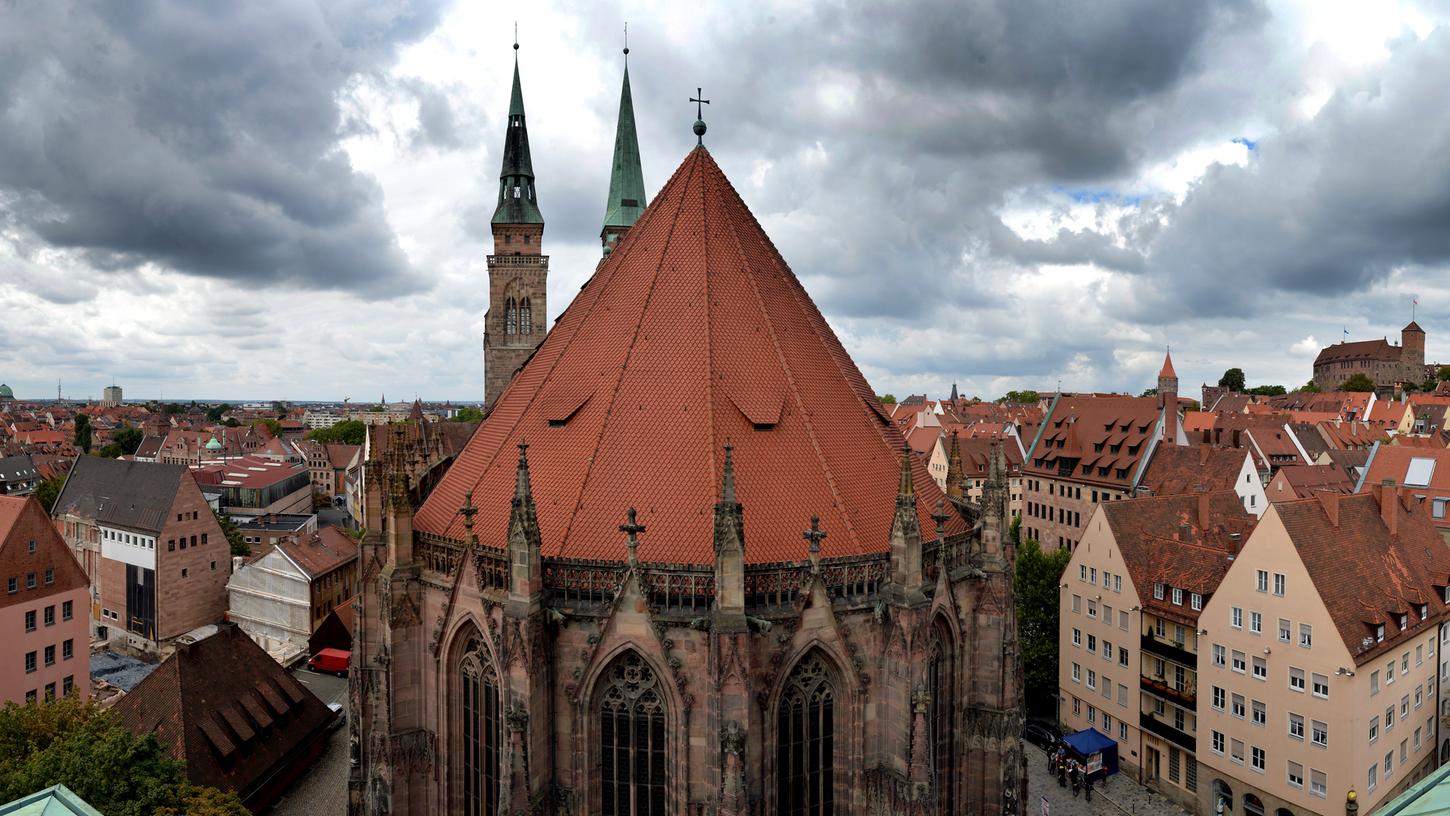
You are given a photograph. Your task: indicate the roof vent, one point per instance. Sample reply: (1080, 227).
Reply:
(763, 426)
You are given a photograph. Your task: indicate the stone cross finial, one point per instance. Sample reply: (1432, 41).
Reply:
(468, 511)
(700, 101)
(940, 517)
(632, 529)
(814, 536)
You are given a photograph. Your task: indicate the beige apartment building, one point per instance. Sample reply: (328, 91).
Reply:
(1131, 598)
(1320, 671)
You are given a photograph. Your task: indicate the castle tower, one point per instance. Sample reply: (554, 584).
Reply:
(518, 271)
(1168, 399)
(1412, 354)
(626, 176)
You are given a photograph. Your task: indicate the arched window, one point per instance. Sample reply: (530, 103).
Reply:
(631, 740)
(479, 727)
(805, 742)
(510, 316)
(1253, 805)
(526, 317)
(941, 686)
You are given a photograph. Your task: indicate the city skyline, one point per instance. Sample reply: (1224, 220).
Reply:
(319, 230)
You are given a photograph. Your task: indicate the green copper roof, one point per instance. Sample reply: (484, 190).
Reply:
(1430, 796)
(517, 199)
(626, 179)
(57, 800)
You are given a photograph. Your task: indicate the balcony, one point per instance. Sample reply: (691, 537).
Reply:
(1170, 651)
(1153, 725)
(1185, 695)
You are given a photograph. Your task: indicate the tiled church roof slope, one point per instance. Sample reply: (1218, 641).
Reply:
(693, 333)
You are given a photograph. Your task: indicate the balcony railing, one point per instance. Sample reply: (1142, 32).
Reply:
(1170, 650)
(1183, 694)
(1182, 739)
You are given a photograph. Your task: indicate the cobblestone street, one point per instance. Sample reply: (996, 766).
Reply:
(1121, 795)
(323, 790)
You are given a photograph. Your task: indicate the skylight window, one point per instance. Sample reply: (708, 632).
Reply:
(1420, 471)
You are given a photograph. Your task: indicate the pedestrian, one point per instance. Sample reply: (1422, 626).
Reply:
(1087, 787)
(1061, 773)
(1072, 774)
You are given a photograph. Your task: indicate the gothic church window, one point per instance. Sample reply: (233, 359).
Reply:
(631, 740)
(805, 742)
(526, 317)
(480, 729)
(942, 689)
(511, 316)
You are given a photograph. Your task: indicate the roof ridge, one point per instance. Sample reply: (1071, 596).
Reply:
(628, 354)
(786, 369)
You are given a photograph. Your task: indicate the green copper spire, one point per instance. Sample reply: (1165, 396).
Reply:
(626, 179)
(517, 201)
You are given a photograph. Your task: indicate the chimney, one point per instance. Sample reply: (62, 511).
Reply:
(1207, 436)
(1237, 444)
(1389, 506)
(1203, 523)
(1218, 436)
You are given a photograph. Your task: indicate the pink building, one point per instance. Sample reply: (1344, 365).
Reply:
(44, 647)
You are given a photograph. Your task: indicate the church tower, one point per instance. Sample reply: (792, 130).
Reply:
(518, 271)
(626, 177)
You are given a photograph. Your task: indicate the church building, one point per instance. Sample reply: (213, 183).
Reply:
(687, 564)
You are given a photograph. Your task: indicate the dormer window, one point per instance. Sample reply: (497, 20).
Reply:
(1404, 622)
(1158, 591)
(1195, 601)
(1177, 597)
(1379, 633)
(1424, 611)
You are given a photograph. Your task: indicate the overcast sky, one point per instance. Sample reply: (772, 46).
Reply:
(292, 200)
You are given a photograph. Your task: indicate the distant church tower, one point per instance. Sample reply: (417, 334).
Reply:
(626, 178)
(518, 272)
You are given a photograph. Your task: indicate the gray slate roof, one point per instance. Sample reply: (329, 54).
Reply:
(133, 495)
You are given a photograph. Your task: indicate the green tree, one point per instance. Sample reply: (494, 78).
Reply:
(195, 801)
(1021, 397)
(83, 433)
(1442, 373)
(214, 413)
(83, 747)
(174, 408)
(1310, 387)
(231, 422)
(234, 536)
(1267, 391)
(1233, 379)
(1149, 392)
(888, 399)
(347, 432)
(468, 415)
(48, 492)
(128, 438)
(1038, 574)
(1357, 382)
(270, 424)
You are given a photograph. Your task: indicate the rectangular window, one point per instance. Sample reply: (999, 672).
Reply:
(1122, 620)
(1372, 781)
(1118, 584)
(67, 609)
(1261, 580)
(1219, 696)
(1240, 662)
(1390, 718)
(49, 575)
(1257, 758)
(1321, 686)
(67, 649)
(1092, 609)
(1218, 742)
(1122, 656)
(1261, 713)
(1076, 636)
(1076, 673)
(1123, 731)
(1320, 732)
(1296, 726)
(50, 655)
(1158, 591)
(1237, 753)
(68, 684)
(1107, 650)
(1374, 682)
(30, 621)
(1092, 679)
(1279, 583)
(1195, 601)
(1177, 597)
(1295, 777)
(1238, 706)
(1284, 630)
(1261, 668)
(1219, 653)
(1236, 617)
(1092, 643)
(1306, 635)
(1256, 622)
(1318, 783)
(1076, 603)
(50, 615)
(29, 662)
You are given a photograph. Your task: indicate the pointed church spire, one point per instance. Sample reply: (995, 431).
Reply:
(626, 178)
(905, 490)
(954, 469)
(524, 543)
(517, 203)
(729, 554)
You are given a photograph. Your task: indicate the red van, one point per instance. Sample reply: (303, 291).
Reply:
(332, 661)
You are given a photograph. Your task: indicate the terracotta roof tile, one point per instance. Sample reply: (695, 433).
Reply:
(1178, 469)
(695, 302)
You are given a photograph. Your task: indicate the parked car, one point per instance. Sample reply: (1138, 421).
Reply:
(1043, 734)
(338, 717)
(331, 661)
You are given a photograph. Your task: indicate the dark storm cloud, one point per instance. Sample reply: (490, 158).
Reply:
(1327, 209)
(202, 138)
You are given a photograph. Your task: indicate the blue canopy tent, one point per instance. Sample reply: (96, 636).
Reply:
(1095, 750)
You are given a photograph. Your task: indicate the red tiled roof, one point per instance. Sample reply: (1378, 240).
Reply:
(321, 552)
(1390, 573)
(1305, 480)
(23, 520)
(1196, 422)
(1079, 426)
(695, 304)
(1358, 350)
(1393, 462)
(1177, 469)
(1170, 540)
(1167, 369)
